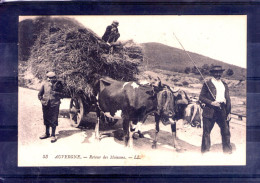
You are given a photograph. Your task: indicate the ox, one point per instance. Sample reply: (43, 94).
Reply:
(179, 104)
(131, 102)
(193, 114)
(184, 108)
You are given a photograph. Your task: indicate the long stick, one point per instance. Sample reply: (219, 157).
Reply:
(195, 67)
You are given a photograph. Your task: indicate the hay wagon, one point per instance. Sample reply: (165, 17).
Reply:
(81, 105)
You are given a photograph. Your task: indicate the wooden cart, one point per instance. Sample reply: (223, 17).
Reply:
(80, 105)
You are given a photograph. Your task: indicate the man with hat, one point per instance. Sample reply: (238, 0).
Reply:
(111, 34)
(50, 95)
(215, 95)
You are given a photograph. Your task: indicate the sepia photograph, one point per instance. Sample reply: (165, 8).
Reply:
(132, 90)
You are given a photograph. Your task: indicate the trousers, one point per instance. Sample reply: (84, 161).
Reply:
(50, 115)
(113, 37)
(219, 117)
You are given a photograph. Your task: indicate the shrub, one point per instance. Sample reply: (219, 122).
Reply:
(195, 70)
(229, 72)
(175, 80)
(187, 70)
(185, 83)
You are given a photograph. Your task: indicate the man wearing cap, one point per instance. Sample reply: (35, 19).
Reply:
(111, 34)
(215, 95)
(50, 95)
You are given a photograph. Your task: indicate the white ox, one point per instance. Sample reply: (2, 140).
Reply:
(193, 114)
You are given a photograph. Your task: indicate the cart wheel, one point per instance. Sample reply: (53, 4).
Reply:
(76, 111)
(111, 122)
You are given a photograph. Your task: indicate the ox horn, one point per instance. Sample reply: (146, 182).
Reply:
(160, 82)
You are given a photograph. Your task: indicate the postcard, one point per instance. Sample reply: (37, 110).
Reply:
(143, 90)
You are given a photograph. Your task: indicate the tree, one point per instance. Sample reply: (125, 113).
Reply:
(185, 83)
(229, 72)
(187, 70)
(205, 69)
(195, 71)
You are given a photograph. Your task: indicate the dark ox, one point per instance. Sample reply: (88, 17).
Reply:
(130, 101)
(184, 108)
(178, 103)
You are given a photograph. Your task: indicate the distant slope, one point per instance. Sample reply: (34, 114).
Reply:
(164, 57)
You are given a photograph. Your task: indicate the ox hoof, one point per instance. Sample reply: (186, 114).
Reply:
(135, 136)
(98, 139)
(141, 135)
(154, 146)
(178, 149)
(129, 147)
(186, 126)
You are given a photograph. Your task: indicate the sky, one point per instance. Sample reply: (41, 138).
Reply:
(221, 37)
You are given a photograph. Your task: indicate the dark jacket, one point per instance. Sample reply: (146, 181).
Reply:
(51, 93)
(207, 98)
(109, 31)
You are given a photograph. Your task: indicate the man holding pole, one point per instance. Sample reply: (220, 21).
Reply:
(215, 95)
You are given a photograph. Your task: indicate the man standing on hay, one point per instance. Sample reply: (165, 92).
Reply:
(50, 95)
(111, 35)
(215, 95)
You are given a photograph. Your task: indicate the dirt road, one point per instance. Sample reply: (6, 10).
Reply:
(78, 147)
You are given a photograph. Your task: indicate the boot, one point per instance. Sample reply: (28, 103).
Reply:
(47, 133)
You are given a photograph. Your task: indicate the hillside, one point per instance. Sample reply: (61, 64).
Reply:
(160, 56)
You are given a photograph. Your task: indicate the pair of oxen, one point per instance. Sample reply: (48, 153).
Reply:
(133, 102)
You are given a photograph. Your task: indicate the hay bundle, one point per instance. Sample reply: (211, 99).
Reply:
(79, 56)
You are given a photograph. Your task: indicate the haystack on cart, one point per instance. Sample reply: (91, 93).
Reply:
(77, 53)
